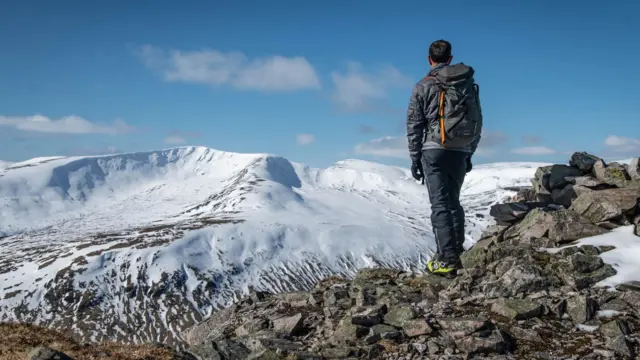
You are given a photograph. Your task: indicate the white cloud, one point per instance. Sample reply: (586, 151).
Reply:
(621, 144)
(358, 90)
(397, 146)
(65, 125)
(531, 139)
(175, 140)
(388, 146)
(213, 67)
(305, 139)
(533, 150)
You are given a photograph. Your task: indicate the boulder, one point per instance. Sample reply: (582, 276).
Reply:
(45, 353)
(526, 334)
(621, 346)
(586, 181)
(540, 180)
(288, 325)
(604, 205)
(558, 173)
(581, 308)
(399, 316)
(516, 309)
(486, 342)
(634, 169)
(615, 328)
(525, 195)
(463, 326)
(369, 316)
(614, 174)
(512, 212)
(566, 195)
(560, 226)
(583, 161)
(212, 328)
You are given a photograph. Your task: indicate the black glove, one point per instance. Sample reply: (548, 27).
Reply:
(469, 165)
(416, 170)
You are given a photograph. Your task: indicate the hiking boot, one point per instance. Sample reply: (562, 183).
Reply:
(438, 267)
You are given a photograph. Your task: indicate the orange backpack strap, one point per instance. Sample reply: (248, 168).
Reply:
(442, 134)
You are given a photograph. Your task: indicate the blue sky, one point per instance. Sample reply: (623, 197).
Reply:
(315, 82)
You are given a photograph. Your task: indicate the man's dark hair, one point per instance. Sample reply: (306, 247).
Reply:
(440, 51)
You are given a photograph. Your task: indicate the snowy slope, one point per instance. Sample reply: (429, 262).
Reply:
(5, 164)
(136, 247)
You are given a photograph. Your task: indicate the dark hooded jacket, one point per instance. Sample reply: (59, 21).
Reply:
(422, 113)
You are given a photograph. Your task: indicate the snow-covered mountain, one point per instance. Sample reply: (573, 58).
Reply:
(5, 164)
(137, 247)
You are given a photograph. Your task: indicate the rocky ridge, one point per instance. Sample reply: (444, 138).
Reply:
(514, 298)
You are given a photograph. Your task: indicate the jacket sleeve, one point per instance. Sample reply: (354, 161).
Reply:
(416, 123)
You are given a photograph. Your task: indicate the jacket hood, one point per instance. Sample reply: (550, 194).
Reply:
(453, 74)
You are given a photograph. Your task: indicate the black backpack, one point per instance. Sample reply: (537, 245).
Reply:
(459, 111)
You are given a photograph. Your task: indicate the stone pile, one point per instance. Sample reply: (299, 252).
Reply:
(518, 295)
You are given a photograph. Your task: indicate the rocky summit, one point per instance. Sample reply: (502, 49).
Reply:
(518, 296)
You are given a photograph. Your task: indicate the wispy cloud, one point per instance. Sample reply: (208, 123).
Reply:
(174, 140)
(358, 89)
(387, 146)
(531, 139)
(367, 129)
(623, 145)
(65, 125)
(534, 150)
(216, 68)
(396, 146)
(305, 139)
(89, 151)
(490, 141)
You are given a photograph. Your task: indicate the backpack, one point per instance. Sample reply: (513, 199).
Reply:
(459, 112)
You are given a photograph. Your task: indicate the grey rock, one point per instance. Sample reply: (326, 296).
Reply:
(583, 161)
(385, 331)
(567, 194)
(514, 309)
(420, 348)
(338, 352)
(586, 181)
(476, 256)
(621, 346)
(581, 308)
(629, 286)
(207, 350)
(463, 326)
(46, 353)
(615, 328)
(526, 334)
(634, 169)
(606, 204)
(293, 299)
(559, 226)
(614, 174)
(231, 349)
(210, 329)
(417, 327)
(512, 212)
(486, 342)
(346, 331)
(434, 348)
(399, 316)
(369, 316)
(526, 195)
(615, 305)
(558, 173)
(583, 263)
(289, 325)
(540, 180)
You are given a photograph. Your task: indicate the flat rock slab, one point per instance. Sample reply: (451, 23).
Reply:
(559, 226)
(604, 205)
(517, 309)
(583, 161)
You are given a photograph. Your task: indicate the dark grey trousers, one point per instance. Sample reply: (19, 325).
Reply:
(444, 172)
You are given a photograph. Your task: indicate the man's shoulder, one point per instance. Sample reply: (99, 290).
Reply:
(424, 84)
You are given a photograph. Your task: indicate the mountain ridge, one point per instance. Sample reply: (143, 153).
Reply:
(136, 248)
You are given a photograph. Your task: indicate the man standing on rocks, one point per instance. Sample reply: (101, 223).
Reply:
(444, 122)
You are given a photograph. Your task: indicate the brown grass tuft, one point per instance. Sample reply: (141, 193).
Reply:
(17, 340)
